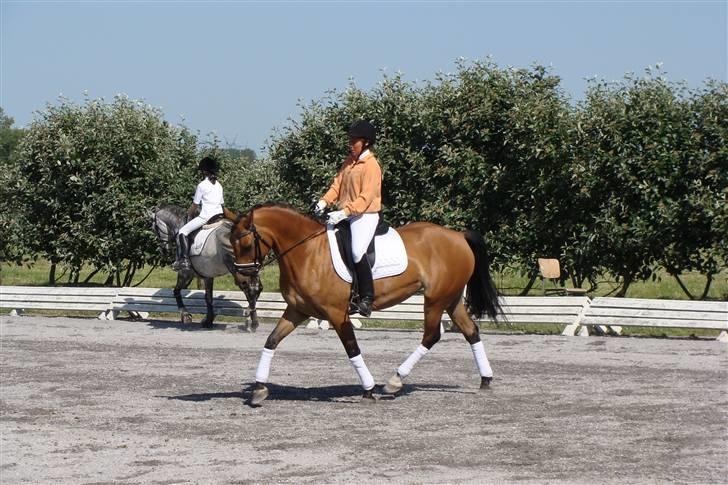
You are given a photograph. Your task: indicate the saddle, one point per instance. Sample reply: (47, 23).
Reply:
(214, 219)
(343, 240)
(198, 237)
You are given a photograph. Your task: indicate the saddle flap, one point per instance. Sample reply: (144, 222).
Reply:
(391, 255)
(199, 238)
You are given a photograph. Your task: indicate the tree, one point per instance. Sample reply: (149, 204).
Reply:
(475, 149)
(12, 247)
(89, 175)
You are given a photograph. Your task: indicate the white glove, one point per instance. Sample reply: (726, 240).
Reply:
(336, 217)
(320, 206)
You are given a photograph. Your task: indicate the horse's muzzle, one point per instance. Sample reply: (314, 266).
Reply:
(247, 269)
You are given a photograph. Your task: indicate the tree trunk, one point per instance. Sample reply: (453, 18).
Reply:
(525, 291)
(93, 273)
(709, 278)
(626, 281)
(52, 275)
(684, 288)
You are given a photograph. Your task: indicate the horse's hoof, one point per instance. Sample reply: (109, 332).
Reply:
(186, 318)
(393, 385)
(485, 383)
(260, 394)
(368, 397)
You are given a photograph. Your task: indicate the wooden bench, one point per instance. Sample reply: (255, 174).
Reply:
(21, 298)
(140, 302)
(640, 312)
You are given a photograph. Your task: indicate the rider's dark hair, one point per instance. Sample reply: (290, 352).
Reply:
(209, 166)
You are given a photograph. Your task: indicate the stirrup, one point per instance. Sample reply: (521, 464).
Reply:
(365, 307)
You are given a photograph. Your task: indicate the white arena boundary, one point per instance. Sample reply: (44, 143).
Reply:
(578, 314)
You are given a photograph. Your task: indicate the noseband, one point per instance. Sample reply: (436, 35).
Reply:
(254, 268)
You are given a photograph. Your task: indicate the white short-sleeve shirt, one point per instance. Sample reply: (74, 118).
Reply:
(209, 197)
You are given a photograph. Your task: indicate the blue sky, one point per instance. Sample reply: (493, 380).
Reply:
(239, 69)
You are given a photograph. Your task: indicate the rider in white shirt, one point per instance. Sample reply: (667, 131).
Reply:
(209, 198)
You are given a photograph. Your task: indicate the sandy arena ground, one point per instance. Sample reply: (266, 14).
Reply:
(85, 401)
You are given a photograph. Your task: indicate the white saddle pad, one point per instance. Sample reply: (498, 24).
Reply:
(391, 256)
(201, 237)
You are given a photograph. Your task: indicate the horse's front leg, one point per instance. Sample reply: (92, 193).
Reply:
(289, 321)
(252, 289)
(210, 317)
(183, 280)
(347, 337)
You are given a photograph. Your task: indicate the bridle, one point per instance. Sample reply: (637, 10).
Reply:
(254, 268)
(163, 238)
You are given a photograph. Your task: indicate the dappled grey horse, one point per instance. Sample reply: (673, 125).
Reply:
(215, 259)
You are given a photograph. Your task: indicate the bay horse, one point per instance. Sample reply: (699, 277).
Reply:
(440, 263)
(215, 259)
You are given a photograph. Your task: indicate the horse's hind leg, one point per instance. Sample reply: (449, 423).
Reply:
(460, 317)
(345, 332)
(183, 280)
(433, 315)
(289, 321)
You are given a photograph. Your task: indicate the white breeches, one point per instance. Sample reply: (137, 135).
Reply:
(362, 233)
(195, 223)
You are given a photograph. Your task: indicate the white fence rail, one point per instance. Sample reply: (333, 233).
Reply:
(578, 314)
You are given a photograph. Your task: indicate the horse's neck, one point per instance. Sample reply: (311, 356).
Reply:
(287, 227)
(173, 222)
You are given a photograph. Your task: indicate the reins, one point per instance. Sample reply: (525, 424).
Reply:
(252, 269)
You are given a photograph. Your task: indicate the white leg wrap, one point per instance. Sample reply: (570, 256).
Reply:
(481, 360)
(261, 375)
(367, 381)
(406, 367)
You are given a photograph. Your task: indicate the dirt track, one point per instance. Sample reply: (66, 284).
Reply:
(89, 401)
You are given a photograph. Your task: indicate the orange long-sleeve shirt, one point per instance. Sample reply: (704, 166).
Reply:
(357, 187)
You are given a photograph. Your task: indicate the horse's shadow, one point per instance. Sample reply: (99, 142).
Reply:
(334, 394)
(195, 326)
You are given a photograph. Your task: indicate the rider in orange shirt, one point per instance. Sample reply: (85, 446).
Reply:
(357, 190)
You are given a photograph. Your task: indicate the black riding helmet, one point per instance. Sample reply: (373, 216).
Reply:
(363, 129)
(209, 165)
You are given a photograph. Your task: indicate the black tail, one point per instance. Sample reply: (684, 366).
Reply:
(481, 296)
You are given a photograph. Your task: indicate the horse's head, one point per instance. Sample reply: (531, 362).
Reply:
(166, 221)
(163, 232)
(249, 247)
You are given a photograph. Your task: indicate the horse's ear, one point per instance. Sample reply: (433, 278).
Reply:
(229, 214)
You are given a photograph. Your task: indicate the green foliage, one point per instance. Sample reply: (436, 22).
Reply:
(482, 148)
(89, 175)
(630, 180)
(647, 176)
(11, 243)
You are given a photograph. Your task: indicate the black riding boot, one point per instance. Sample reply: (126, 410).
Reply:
(366, 286)
(183, 254)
